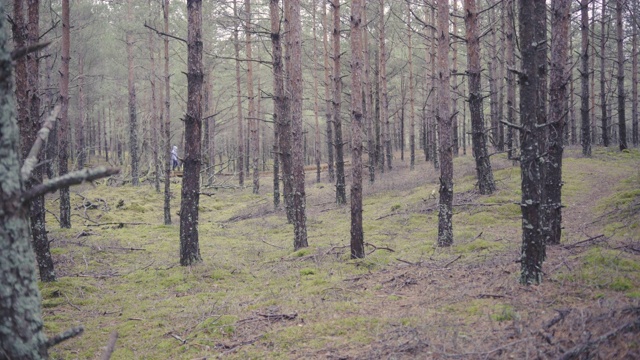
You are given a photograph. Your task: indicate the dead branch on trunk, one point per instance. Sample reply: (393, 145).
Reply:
(72, 178)
(32, 159)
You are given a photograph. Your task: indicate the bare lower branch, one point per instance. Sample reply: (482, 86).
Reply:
(32, 159)
(165, 34)
(18, 53)
(512, 125)
(73, 332)
(72, 178)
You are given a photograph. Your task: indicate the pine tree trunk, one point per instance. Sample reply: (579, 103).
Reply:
(63, 121)
(154, 112)
(294, 46)
(384, 96)
(368, 100)
(634, 75)
(284, 131)
(253, 122)
(278, 95)
(622, 123)
(167, 122)
(558, 109)
(493, 82)
(511, 81)
(574, 127)
(239, 117)
(533, 249)
(80, 144)
(603, 80)
(327, 93)
(189, 246)
(454, 87)
(486, 184)
(341, 195)
(133, 116)
(584, 75)
(357, 236)
(412, 108)
(445, 214)
(316, 109)
(21, 328)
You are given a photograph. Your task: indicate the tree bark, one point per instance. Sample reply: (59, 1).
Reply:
(189, 246)
(584, 76)
(484, 173)
(533, 247)
(154, 112)
(622, 123)
(368, 100)
(167, 122)
(558, 110)
(412, 111)
(278, 96)
(634, 75)
(445, 214)
(603, 81)
(384, 96)
(511, 81)
(327, 93)
(240, 145)
(357, 236)
(454, 87)
(317, 151)
(63, 121)
(133, 116)
(253, 122)
(341, 195)
(294, 46)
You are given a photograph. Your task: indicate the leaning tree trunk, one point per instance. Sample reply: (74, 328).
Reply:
(622, 124)
(584, 76)
(294, 45)
(558, 111)
(445, 214)
(533, 247)
(189, 247)
(341, 194)
(486, 184)
(63, 121)
(357, 236)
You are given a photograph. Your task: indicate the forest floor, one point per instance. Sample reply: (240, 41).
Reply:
(253, 297)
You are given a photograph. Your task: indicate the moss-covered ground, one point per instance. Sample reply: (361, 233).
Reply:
(253, 297)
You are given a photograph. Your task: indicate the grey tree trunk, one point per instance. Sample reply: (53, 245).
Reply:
(511, 81)
(454, 87)
(533, 246)
(316, 109)
(80, 143)
(236, 46)
(327, 93)
(445, 214)
(622, 123)
(278, 96)
(357, 235)
(253, 122)
(63, 121)
(133, 115)
(384, 95)
(603, 81)
(368, 100)
(558, 111)
(584, 76)
(484, 173)
(155, 121)
(167, 122)
(294, 46)
(189, 246)
(634, 75)
(412, 111)
(341, 194)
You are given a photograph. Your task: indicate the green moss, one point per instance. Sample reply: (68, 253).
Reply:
(478, 245)
(395, 207)
(504, 312)
(621, 284)
(307, 271)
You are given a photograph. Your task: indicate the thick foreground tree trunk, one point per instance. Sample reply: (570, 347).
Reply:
(533, 247)
(445, 214)
(189, 246)
(357, 236)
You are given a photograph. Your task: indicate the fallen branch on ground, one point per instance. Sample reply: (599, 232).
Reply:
(111, 345)
(570, 246)
(71, 333)
(575, 352)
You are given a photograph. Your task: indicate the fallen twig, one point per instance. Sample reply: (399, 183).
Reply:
(570, 246)
(120, 224)
(73, 332)
(276, 246)
(575, 352)
(452, 261)
(278, 317)
(377, 248)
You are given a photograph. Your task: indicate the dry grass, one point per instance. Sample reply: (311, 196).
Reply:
(252, 297)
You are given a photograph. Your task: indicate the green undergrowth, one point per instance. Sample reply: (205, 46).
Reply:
(118, 265)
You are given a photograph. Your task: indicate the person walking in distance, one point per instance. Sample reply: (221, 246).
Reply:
(174, 158)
